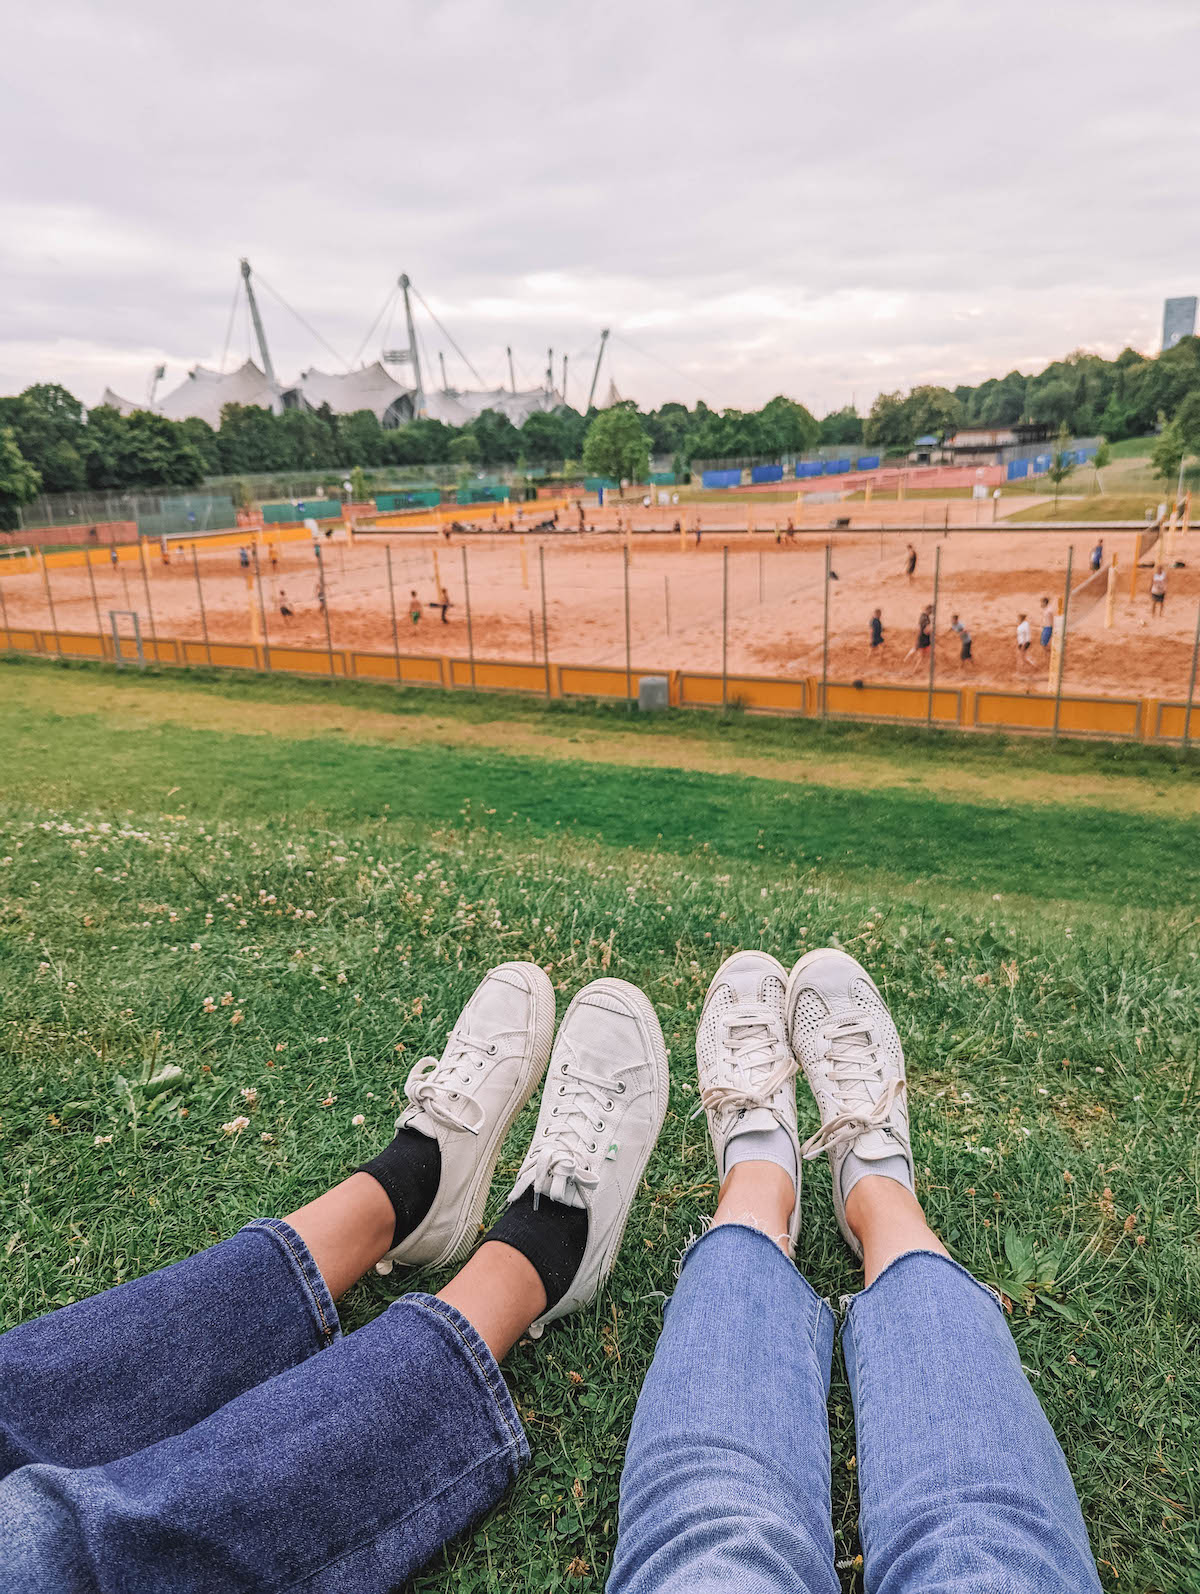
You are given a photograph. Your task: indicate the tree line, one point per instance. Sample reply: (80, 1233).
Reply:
(49, 443)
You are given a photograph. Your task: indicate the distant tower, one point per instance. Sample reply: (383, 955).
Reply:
(1179, 320)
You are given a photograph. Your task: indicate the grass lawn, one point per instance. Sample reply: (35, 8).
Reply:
(344, 863)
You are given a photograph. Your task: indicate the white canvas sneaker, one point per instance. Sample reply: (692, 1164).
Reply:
(847, 1044)
(747, 1071)
(494, 1059)
(603, 1105)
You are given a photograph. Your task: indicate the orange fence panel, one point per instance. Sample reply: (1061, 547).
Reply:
(81, 645)
(583, 680)
(878, 702)
(26, 642)
(308, 661)
(494, 676)
(1169, 721)
(759, 692)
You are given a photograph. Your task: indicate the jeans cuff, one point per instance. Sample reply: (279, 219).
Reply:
(313, 1288)
(761, 1238)
(848, 1302)
(481, 1360)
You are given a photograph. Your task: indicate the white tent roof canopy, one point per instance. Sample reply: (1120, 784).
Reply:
(204, 392)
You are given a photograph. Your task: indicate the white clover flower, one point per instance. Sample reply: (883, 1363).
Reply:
(358, 1120)
(235, 1126)
(266, 1139)
(102, 1140)
(250, 1095)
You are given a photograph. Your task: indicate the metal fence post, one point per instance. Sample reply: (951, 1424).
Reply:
(50, 603)
(149, 605)
(825, 640)
(545, 631)
(628, 652)
(323, 600)
(724, 625)
(937, 571)
(467, 605)
(1062, 645)
(95, 599)
(392, 601)
(262, 612)
(200, 596)
(1187, 714)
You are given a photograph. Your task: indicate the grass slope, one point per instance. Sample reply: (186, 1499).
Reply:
(346, 897)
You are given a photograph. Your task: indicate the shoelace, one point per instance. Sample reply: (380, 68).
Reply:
(443, 1089)
(856, 1066)
(562, 1155)
(758, 1056)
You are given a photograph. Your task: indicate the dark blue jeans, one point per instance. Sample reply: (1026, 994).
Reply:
(181, 1433)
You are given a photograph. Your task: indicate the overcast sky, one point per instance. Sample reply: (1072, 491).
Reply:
(821, 200)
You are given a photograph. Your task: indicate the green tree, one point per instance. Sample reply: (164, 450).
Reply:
(360, 487)
(1102, 455)
(1167, 454)
(464, 449)
(786, 427)
(841, 427)
(1060, 465)
(498, 439)
(20, 483)
(1187, 418)
(617, 445)
(362, 438)
(543, 437)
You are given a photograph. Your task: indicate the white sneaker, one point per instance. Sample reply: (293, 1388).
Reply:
(747, 1071)
(602, 1108)
(494, 1059)
(845, 1040)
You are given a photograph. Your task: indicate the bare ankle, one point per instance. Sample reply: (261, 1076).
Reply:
(888, 1220)
(759, 1195)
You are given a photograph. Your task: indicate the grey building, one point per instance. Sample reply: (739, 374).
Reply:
(1179, 320)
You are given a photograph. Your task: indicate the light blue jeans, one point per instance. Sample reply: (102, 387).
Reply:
(209, 1428)
(963, 1487)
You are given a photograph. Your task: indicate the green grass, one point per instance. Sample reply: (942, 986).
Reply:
(1050, 1033)
(1132, 447)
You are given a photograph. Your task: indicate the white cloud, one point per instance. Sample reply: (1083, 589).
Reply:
(786, 197)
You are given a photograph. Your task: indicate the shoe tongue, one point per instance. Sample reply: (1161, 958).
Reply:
(875, 1145)
(753, 1118)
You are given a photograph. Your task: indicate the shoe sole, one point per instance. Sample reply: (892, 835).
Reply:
(658, 1047)
(466, 1234)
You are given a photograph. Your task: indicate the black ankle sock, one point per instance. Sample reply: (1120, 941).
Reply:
(553, 1237)
(409, 1170)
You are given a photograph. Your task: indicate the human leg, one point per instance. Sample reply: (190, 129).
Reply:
(108, 1376)
(726, 1482)
(347, 1473)
(962, 1483)
(963, 1486)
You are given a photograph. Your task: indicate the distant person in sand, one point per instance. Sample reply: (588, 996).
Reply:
(791, 529)
(1158, 590)
(414, 607)
(1047, 635)
(875, 635)
(274, 556)
(964, 640)
(112, 555)
(921, 645)
(285, 607)
(910, 562)
(1024, 642)
(244, 558)
(443, 603)
(1098, 555)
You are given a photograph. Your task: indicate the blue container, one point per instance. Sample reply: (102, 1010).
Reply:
(722, 478)
(766, 473)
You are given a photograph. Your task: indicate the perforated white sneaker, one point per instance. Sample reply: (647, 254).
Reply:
(494, 1059)
(747, 1071)
(845, 1040)
(603, 1105)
